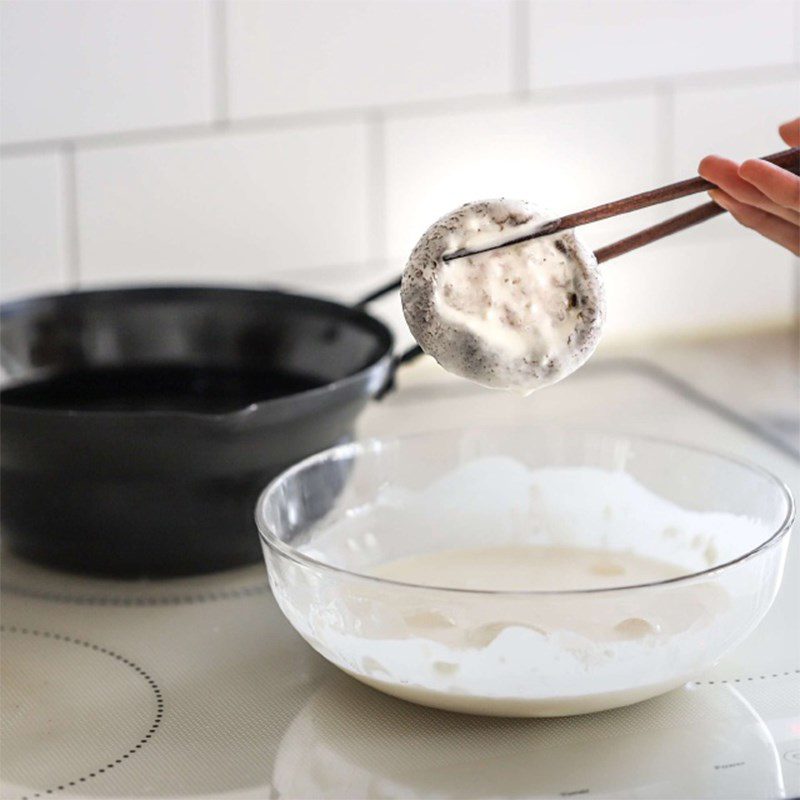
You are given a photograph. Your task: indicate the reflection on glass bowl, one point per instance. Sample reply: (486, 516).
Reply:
(721, 526)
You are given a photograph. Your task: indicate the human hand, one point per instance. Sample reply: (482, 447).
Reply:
(758, 194)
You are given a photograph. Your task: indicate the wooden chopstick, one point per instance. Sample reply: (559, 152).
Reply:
(672, 225)
(787, 159)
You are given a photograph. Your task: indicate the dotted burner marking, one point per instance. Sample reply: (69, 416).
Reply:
(767, 676)
(155, 725)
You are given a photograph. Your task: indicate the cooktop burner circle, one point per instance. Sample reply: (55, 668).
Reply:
(98, 701)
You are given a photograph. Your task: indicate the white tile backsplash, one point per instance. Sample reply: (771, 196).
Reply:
(32, 225)
(564, 156)
(689, 282)
(76, 68)
(329, 54)
(231, 208)
(797, 31)
(602, 41)
(735, 121)
(311, 142)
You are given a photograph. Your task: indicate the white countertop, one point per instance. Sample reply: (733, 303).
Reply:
(199, 688)
(757, 374)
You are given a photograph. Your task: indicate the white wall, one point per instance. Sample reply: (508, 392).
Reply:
(310, 143)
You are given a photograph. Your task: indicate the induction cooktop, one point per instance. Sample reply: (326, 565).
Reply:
(199, 688)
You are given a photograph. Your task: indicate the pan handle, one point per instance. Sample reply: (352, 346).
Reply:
(403, 358)
(397, 362)
(380, 292)
(409, 355)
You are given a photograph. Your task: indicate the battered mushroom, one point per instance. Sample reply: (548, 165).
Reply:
(520, 317)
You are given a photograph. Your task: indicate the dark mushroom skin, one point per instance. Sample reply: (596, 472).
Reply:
(520, 317)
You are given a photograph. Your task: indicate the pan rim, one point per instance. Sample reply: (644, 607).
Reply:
(374, 370)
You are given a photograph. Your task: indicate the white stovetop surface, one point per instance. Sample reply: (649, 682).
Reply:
(199, 688)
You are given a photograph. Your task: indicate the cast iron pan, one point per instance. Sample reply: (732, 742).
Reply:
(140, 425)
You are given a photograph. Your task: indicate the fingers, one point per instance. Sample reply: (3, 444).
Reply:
(725, 173)
(777, 184)
(790, 132)
(758, 194)
(778, 230)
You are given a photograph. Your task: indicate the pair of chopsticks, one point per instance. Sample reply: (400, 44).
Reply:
(786, 159)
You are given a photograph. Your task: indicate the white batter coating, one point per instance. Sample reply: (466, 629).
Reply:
(495, 524)
(518, 318)
(513, 629)
(524, 655)
(523, 568)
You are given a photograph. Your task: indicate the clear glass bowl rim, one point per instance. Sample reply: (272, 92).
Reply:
(338, 452)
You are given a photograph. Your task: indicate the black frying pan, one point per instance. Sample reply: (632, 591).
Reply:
(139, 425)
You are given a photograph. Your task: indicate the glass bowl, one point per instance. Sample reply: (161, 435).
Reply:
(597, 636)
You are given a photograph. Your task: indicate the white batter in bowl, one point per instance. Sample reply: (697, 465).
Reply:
(518, 318)
(524, 572)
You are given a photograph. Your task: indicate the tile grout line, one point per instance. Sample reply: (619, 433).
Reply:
(520, 48)
(266, 123)
(218, 52)
(665, 135)
(70, 216)
(376, 187)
